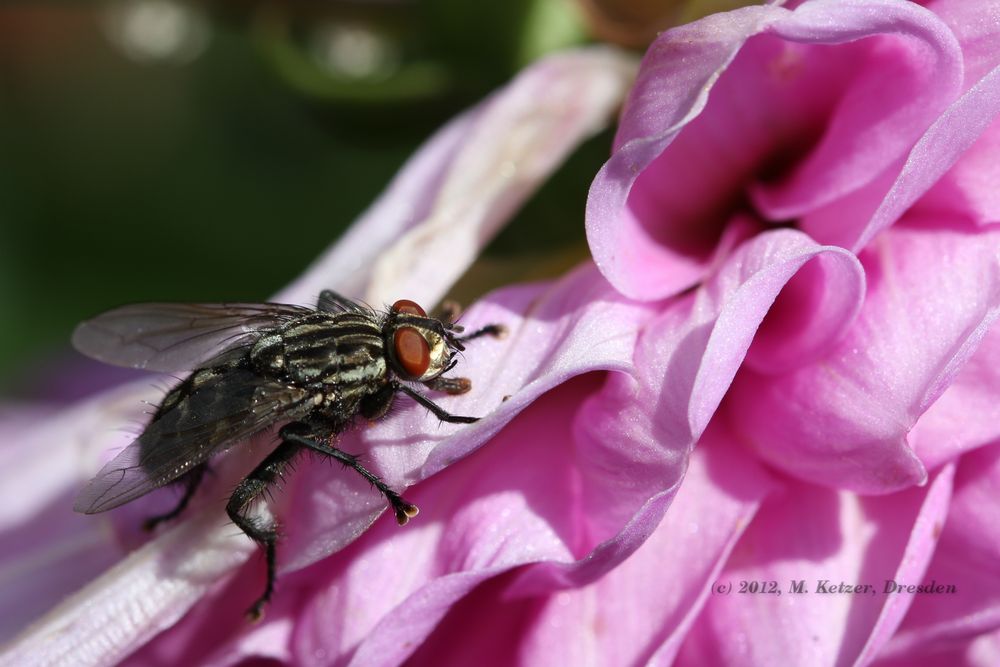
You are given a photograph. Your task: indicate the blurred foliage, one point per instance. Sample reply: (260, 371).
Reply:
(141, 162)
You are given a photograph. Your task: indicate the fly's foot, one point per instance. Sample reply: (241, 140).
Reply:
(403, 509)
(256, 612)
(453, 386)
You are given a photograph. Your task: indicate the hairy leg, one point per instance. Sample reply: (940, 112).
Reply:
(260, 531)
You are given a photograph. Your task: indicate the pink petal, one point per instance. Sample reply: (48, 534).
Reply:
(843, 421)
(813, 535)
(967, 558)
(915, 74)
(459, 191)
(977, 27)
(640, 612)
(967, 415)
(889, 196)
(509, 504)
(981, 651)
(968, 188)
(688, 356)
(671, 91)
(928, 180)
(655, 208)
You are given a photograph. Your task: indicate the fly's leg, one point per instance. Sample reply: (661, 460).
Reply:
(495, 330)
(438, 411)
(403, 510)
(191, 480)
(261, 531)
(451, 386)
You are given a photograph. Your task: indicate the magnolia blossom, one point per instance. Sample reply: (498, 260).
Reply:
(780, 370)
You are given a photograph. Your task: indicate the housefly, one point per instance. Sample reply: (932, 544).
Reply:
(253, 366)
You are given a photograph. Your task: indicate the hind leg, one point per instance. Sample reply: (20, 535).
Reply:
(261, 531)
(191, 480)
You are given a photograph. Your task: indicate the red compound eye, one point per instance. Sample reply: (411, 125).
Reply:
(412, 350)
(408, 307)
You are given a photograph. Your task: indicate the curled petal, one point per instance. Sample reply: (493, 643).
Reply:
(932, 295)
(914, 67)
(962, 191)
(977, 28)
(967, 189)
(687, 358)
(652, 210)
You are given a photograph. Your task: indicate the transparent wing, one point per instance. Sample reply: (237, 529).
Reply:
(208, 418)
(176, 336)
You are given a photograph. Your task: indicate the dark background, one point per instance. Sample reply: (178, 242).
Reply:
(157, 150)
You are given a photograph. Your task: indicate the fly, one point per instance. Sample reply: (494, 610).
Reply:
(257, 365)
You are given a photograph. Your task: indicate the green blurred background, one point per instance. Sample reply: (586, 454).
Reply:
(163, 150)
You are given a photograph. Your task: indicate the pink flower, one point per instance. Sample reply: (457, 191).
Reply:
(782, 369)
(843, 396)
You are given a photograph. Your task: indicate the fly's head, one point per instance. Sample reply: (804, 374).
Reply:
(419, 348)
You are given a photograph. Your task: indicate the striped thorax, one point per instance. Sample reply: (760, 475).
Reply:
(342, 349)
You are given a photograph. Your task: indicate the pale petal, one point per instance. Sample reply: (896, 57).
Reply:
(457, 193)
(45, 458)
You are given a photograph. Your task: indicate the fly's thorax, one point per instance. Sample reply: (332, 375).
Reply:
(331, 349)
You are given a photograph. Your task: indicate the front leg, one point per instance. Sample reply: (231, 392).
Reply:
(453, 386)
(438, 411)
(495, 330)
